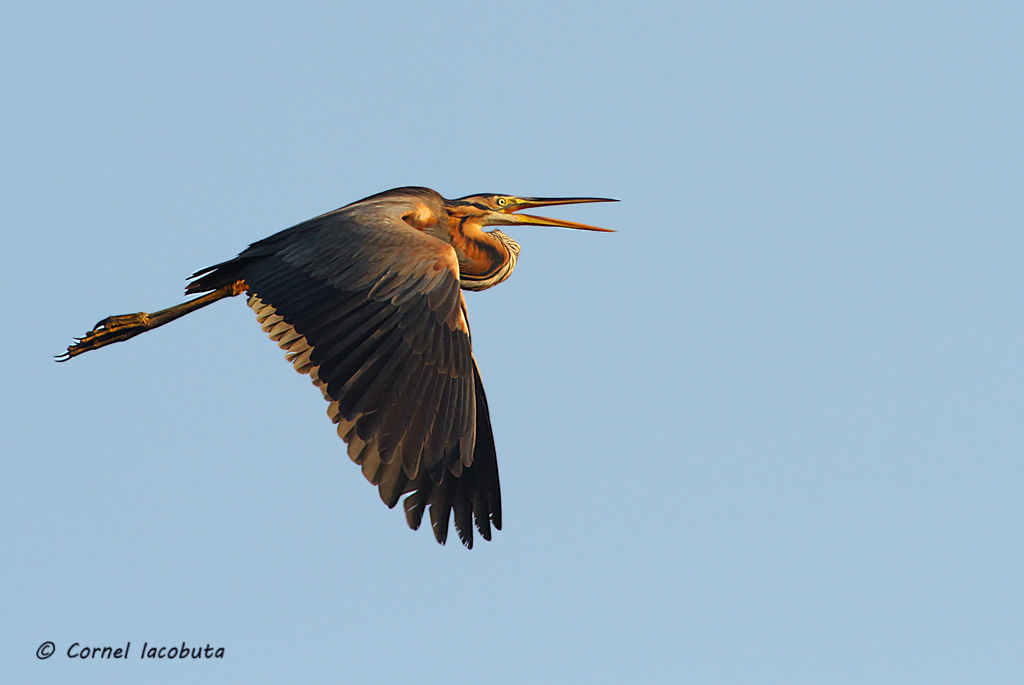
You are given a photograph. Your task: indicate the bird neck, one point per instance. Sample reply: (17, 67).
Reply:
(486, 258)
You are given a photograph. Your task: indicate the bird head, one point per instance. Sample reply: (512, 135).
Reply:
(500, 210)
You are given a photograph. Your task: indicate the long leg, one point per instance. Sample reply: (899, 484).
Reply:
(117, 328)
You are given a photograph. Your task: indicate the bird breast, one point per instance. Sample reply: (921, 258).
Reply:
(485, 260)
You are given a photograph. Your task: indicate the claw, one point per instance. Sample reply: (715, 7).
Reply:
(110, 330)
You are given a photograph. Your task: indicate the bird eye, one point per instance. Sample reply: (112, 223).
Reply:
(502, 202)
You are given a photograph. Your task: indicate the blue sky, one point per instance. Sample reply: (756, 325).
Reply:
(769, 431)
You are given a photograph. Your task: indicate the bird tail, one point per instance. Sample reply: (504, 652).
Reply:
(217, 276)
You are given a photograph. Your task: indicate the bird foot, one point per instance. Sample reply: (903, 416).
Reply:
(110, 330)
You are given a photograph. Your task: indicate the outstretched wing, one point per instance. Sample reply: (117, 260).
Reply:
(370, 308)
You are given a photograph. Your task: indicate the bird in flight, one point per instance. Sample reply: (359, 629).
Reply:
(366, 300)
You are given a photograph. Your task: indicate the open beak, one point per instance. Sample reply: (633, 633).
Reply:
(529, 219)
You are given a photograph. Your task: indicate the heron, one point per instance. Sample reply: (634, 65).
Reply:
(367, 301)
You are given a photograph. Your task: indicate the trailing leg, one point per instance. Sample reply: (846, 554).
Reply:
(122, 327)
